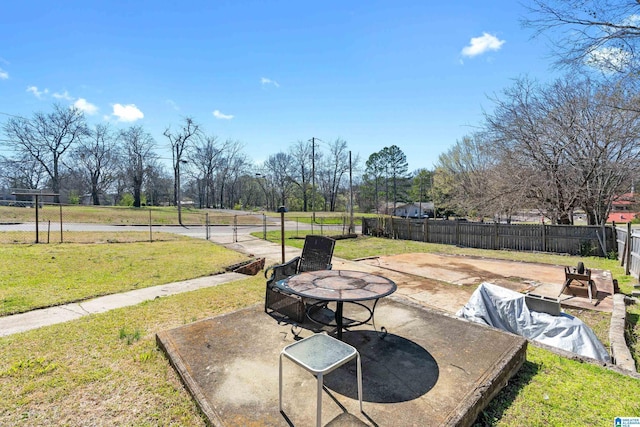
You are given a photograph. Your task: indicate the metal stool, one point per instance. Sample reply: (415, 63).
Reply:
(320, 354)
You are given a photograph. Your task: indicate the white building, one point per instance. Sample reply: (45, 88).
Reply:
(412, 210)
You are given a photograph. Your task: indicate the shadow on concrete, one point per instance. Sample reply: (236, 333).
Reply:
(430, 370)
(405, 370)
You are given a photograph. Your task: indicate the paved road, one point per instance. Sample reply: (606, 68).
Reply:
(223, 234)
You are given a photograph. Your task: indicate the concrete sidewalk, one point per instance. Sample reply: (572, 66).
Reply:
(63, 313)
(50, 316)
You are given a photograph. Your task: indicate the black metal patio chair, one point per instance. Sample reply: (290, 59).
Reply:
(316, 255)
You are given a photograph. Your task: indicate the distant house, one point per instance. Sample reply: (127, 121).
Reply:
(415, 210)
(624, 208)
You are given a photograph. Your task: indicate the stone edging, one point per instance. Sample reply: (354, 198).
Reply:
(620, 353)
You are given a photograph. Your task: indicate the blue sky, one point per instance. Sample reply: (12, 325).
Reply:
(268, 73)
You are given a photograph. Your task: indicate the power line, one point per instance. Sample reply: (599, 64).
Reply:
(13, 115)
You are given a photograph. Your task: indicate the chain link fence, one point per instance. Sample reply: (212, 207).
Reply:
(28, 222)
(56, 223)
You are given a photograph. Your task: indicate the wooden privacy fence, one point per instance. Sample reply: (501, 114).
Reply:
(628, 241)
(566, 239)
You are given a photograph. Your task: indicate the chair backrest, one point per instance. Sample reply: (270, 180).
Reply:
(316, 253)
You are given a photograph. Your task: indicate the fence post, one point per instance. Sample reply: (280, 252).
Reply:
(496, 237)
(425, 229)
(206, 226)
(627, 268)
(61, 238)
(235, 229)
(150, 228)
(264, 227)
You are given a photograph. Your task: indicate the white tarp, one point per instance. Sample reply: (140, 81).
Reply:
(506, 309)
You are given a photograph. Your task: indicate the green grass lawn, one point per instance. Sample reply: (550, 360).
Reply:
(36, 276)
(121, 215)
(107, 368)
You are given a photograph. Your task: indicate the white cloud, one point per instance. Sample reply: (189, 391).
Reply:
(65, 95)
(632, 20)
(218, 115)
(479, 45)
(172, 104)
(3, 74)
(609, 59)
(87, 107)
(127, 113)
(265, 81)
(37, 93)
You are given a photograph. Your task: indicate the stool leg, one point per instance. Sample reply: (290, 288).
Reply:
(359, 370)
(319, 405)
(280, 386)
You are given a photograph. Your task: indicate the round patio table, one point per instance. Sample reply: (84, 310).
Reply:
(340, 286)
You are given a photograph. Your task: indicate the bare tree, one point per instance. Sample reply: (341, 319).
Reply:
(301, 174)
(46, 138)
(232, 152)
(572, 148)
(25, 172)
(158, 183)
(98, 162)
(240, 168)
(179, 141)
(205, 157)
(277, 170)
(338, 167)
(481, 184)
(466, 163)
(604, 34)
(138, 148)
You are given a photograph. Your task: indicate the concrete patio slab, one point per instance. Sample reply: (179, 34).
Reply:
(431, 369)
(465, 271)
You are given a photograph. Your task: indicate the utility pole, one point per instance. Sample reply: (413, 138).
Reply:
(178, 191)
(420, 196)
(313, 180)
(351, 227)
